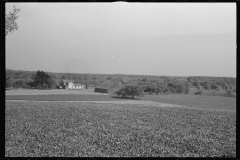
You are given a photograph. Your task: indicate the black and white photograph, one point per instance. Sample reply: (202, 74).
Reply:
(120, 79)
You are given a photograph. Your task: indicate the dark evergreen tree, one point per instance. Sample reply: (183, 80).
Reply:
(42, 80)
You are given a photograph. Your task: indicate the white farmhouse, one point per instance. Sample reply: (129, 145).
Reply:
(70, 85)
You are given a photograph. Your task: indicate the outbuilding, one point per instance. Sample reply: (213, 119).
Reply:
(109, 86)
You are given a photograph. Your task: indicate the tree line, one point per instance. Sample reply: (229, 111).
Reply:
(39, 80)
(149, 84)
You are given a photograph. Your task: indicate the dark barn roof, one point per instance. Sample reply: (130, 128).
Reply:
(108, 84)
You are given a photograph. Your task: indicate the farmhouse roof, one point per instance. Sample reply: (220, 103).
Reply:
(108, 84)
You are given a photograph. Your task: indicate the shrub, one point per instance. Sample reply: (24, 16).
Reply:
(199, 87)
(198, 93)
(230, 93)
(44, 86)
(26, 86)
(207, 86)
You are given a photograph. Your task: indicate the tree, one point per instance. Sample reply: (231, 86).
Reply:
(171, 85)
(9, 81)
(160, 88)
(10, 21)
(218, 88)
(230, 93)
(172, 90)
(30, 83)
(94, 81)
(52, 83)
(130, 90)
(214, 86)
(187, 85)
(150, 88)
(199, 87)
(234, 89)
(86, 81)
(225, 86)
(42, 80)
(195, 83)
(203, 83)
(182, 87)
(145, 80)
(207, 86)
(18, 84)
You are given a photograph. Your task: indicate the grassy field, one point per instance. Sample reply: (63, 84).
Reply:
(61, 97)
(50, 92)
(74, 95)
(101, 130)
(202, 101)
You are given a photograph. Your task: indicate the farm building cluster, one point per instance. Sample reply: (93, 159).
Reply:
(108, 86)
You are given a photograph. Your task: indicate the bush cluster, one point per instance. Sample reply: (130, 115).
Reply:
(198, 92)
(228, 93)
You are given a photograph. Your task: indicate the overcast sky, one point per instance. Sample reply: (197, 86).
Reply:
(171, 39)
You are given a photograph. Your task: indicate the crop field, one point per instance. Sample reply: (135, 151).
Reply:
(72, 129)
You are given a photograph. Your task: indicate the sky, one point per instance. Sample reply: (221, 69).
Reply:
(165, 39)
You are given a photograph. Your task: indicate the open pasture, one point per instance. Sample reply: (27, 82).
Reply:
(61, 97)
(202, 101)
(51, 92)
(101, 130)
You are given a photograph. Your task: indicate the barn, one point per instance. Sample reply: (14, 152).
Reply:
(109, 86)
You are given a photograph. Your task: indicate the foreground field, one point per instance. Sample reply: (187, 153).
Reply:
(102, 130)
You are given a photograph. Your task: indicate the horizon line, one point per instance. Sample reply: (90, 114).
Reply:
(118, 74)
